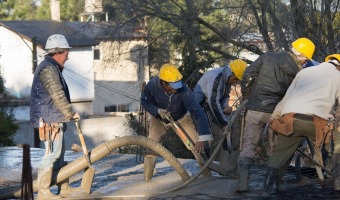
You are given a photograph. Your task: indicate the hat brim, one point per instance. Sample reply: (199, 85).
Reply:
(176, 85)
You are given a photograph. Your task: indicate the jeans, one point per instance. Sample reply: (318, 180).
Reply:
(54, 151)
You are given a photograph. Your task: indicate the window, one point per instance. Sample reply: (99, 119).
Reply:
(117, 108)
(96, 54)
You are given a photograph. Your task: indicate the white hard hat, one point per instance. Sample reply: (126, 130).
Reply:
(56, 43)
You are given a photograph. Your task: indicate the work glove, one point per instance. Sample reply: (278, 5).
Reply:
(160, 115)
(275, 116)
(227, 110)
(162, 112)
(76, 117)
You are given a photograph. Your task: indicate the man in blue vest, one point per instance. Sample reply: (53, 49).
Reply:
(50, 108)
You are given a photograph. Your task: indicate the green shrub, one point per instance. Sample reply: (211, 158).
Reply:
(8, 125)
(8, 128)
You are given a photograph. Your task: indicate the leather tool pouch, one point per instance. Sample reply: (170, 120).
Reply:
(284, 125)
(321, 128)
(49, 131)
(44, 132)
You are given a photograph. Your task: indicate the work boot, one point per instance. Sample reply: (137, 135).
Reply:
(273, 176)
(65, 190)
(244, 164)
(279, 183)
(268, 181)
(149, 166)
(336, 167)
(44, 182)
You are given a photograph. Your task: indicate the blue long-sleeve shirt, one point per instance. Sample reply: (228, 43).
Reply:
(178, 104)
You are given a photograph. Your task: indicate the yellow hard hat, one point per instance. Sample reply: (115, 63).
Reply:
(237, 67)
(170, 73)
(304, 46)
(337, 56)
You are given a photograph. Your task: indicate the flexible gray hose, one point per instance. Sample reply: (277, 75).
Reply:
(105, 149)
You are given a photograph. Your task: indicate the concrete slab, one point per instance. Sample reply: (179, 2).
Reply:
(120, 176)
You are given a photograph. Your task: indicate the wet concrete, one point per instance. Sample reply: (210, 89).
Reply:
(121, 177)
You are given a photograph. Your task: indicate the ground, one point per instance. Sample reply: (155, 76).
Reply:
(120, 176)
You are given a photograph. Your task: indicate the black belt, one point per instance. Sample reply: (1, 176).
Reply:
(303, 117)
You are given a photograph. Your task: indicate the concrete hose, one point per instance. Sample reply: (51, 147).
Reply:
(105, 149)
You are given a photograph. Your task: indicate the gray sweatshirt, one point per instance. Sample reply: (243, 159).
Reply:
(213, 88)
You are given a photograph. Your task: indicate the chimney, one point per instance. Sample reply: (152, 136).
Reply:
(93, 11)
(55, 10)
(93, 6)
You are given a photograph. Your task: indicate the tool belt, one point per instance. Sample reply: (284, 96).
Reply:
(286, 123)
(49, 131)
(322, 128)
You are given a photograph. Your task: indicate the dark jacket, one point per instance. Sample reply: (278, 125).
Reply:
(271, 75)
(178, 104)
(50, 97)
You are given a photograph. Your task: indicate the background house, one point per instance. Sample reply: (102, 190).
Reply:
(106, 68)
(22, 48)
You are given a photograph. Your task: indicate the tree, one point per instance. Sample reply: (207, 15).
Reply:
(317, 20)
(28, 10)
(8, 128)
(199, 34)
(8, 125)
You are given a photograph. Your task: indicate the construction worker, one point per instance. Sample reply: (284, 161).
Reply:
(166, 94)
(307, 110)
(214, 86)
(264, 84)
(212, 93)
(50, 108)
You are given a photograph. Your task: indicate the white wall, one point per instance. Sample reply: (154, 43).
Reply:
(16, 67)
(96, 131)
(20, 113)
(119, 74)
(16, 63)
(78, 73)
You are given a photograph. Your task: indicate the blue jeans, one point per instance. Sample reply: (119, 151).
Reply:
(54, 151)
